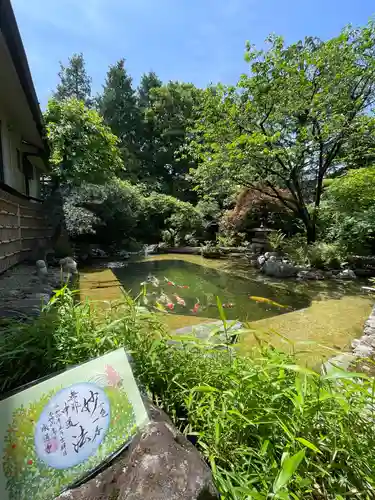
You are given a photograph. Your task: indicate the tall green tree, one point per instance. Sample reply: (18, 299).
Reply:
(83, 148)
(74, 80)
(118, 106)
(289, 119)
(148, 82)
(169, 114)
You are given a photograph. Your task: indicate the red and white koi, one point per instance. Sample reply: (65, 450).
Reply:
(180, 301)
(195, 308)
(170, 306)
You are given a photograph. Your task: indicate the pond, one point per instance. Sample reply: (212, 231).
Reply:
(319, 316)
(189, 288)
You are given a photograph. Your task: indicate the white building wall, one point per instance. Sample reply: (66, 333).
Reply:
(11, 141)
(13, 172)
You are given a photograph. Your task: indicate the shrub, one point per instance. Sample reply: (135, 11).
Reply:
(268, 427)
(324, 255)
(276, 239)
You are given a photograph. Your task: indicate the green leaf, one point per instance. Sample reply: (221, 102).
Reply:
(221, 312)
(337, 373)
(204, 388)
(299, 369)
(308, 444)
(288, 468)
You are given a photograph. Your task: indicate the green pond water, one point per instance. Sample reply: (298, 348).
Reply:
(318, 317)
(173, 279)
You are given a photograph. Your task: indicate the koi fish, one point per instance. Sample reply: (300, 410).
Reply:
(169, 282)
(195, 308)
(153, 280)
(228, 306)
(170, 306)
(164, 299)
(185, 286)
(265, 301)
(180, 301)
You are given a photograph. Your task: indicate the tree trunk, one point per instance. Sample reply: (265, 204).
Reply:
(311, 232)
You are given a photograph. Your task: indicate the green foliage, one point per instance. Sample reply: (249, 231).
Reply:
(111, 211)
(67, 333)
(353, 192)
(276, 239)
(148, 82)
(119, 210)
(288, 119)
(320, 255)
(83, 149)
(169, 112)
(118, 106)
(347, 214)
(74, 81)
(325, 255)
(266, 425)
(166, 212)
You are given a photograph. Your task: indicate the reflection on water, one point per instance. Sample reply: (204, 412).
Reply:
(189, 289)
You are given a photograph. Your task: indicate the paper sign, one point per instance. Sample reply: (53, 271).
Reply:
(59, 430)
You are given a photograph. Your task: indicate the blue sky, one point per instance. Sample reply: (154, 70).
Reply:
(199, 41)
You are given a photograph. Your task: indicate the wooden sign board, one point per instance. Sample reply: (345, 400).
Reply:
(58, 431)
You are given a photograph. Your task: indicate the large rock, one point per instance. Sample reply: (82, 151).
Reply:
(347, 274)
(160, 464)
(279, 269)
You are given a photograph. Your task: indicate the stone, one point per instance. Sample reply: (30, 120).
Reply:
(363, 351)
(43, 297)
(68, 265)
(270, 254)
(41, 270)
(347, 274)
(315, 274)
(261, 260)
(278, 269)
(123, 254)
(272, 258)
(160, 464)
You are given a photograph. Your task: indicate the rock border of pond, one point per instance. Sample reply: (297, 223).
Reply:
(361, 349)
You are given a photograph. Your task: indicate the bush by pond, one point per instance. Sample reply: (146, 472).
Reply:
(268, 427)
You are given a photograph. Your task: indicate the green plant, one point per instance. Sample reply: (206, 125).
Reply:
(268, 427)
(276, 239)
(296, 248)
(324, 255)
(68, 332)
(300, 104)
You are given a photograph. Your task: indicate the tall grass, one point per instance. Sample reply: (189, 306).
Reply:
(268, 427)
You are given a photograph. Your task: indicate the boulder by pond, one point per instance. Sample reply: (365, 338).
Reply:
(279, 268)
(160, 464)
